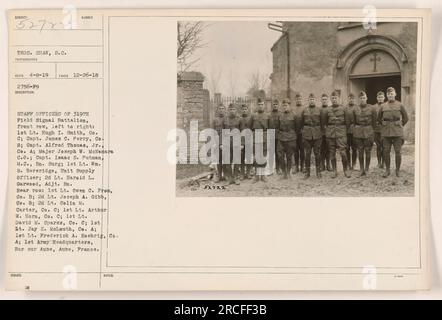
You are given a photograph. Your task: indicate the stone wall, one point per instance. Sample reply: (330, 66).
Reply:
(192, 100)
(193, 103)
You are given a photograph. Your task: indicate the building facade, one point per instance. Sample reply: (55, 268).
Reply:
(319, 57)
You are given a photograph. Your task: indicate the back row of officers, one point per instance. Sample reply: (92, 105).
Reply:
(349, 130)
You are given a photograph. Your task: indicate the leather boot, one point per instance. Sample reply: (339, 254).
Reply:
(335, 172)
(347, 154)
(307, 173)
(329, 167)
(303, 168)
(345, 167)
(398, 160)
(367, 161)
(387, 168)
(361, 165)
(354, 155)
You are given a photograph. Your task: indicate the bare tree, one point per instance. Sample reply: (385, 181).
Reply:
(258, 83)
(233, 81)
(189, 39)
(213, 79)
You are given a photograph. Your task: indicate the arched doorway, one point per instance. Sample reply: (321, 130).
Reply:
(374, 71)
(373, 63)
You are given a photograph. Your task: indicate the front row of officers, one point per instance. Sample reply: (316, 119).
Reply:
(350, 131)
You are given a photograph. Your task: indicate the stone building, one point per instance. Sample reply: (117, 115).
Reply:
(318, 57)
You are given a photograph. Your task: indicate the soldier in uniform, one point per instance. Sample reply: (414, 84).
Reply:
(351, 146)
(245, 123)
(286, 139)
(299, 150)
(260, 120)
(325, 157)
(363, 131)
(377, 130)
(231, 169)
(336, 121)
(274, 124)
(393, 117)
(311, 123)
(218, 125)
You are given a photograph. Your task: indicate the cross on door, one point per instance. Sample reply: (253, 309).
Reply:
(375, 59)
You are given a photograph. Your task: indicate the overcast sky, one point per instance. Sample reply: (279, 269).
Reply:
(234, 51)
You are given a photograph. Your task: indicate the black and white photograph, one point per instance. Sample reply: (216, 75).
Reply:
(296, 108)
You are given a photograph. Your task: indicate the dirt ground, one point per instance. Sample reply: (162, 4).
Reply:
(371, 185)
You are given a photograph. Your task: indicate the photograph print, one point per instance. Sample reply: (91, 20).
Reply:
(296, 109)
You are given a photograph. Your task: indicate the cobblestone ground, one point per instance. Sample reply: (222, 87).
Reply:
(371, 185)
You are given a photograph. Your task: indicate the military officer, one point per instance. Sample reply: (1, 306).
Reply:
(377, 130)
(311, 123)
(393, 117)
(218, 125)
(286, 138)
(231, 168)
(299, 150)
(363, 131)
(351, 146)
(245, 123)
(260, 120)
(274, 124)
(336, 121)
(325, 157)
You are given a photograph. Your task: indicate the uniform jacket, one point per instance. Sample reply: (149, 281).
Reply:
(218, 125)
(349, 110)
(393, 117)
(377, 107)
(260, 120)
(232, 122)
(274, 121)
(245, 121)
(336, 121)
(297, 111)
(323, 111)
(364, 121)
(311, 122)
(287, 127)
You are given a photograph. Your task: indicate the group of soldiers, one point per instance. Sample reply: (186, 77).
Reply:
(349, 130)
